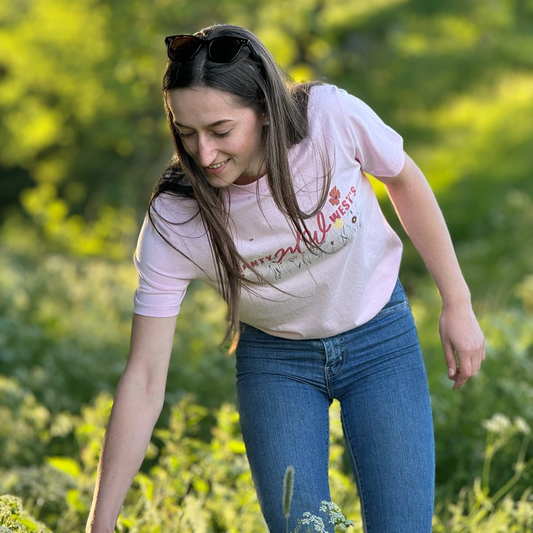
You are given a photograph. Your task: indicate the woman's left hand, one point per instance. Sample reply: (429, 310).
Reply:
(419, 212)
(463, 342)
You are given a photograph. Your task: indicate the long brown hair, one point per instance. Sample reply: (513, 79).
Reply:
(256, 82)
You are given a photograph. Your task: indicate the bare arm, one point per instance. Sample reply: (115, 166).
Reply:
(136, 408)
(422, 219)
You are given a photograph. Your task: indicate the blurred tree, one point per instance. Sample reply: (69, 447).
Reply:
(83, 120)
(84, 138)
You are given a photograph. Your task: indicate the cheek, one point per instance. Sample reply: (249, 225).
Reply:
(241, 147)
(255, 140)
(190, 146)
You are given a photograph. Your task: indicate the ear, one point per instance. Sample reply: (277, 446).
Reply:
(266, 120)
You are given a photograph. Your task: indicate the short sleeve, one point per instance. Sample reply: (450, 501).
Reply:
(164, 274)
(377, 147)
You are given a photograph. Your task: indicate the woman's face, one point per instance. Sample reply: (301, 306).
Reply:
(222, 136)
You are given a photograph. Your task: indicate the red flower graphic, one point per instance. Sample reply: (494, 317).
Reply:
(335, 196)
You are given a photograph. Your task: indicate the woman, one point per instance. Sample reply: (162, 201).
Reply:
(267, 201)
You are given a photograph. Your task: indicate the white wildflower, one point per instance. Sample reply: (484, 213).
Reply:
(498, 423)
(315, 521)
(335, 515)
(521, 425)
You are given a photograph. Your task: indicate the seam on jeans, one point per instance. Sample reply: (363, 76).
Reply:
(335, 370)
(326, 457)
(326, 376)
(397, 307)
(356, 471)
(330, 372)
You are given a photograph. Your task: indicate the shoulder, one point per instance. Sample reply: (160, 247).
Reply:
(172, 219)
(332, 101)
(334, 109)
(345, 113)
(351, 123)
(170, 208)
(330, 97)
(323, 97)
(165, 237)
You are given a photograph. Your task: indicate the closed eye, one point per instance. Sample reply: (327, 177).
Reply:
(185, 135)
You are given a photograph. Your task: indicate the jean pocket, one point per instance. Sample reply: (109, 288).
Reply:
(392, 307)
(397, 302)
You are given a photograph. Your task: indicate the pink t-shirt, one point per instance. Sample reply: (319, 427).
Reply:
(322, 292)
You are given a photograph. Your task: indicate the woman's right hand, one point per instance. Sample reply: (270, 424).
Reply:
(136, 408)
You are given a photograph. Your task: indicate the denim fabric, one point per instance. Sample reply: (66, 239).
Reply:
(376, 371)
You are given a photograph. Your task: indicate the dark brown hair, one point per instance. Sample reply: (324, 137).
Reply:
(255, 81)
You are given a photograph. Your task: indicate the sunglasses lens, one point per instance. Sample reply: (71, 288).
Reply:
(225, 49)
(183, 48)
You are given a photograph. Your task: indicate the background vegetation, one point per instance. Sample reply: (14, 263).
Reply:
(84, 139)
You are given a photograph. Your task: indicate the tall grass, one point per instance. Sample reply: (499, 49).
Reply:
(205, 486)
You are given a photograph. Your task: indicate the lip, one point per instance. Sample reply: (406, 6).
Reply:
(217, 170)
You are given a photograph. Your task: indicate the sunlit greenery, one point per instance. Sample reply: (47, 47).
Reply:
(84, 139)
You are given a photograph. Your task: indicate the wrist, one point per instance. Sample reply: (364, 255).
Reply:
(99, 528)
(456, 298)
(97, 524)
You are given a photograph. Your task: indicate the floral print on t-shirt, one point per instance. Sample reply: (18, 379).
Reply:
(331, 231)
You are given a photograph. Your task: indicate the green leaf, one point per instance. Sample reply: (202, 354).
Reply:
(65, 464)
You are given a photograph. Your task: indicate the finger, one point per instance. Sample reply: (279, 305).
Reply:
(451, 363)
(481, 353)
(461, 379)
(456, 378)
(465, 371)
(476, 363)
(480, 357)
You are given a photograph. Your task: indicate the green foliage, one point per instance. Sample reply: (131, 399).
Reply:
(502, 386)
(83, 141)
(330, 509)
(24, 425)
(28, 433)
(474, 512)
(479, 509)
(196, 485)
(85, 134)
(13, 519)
(205, 485)
(65, 323)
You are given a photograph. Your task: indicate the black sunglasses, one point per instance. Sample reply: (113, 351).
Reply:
(224, 49)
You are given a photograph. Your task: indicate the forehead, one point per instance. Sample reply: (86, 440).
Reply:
(203, 106)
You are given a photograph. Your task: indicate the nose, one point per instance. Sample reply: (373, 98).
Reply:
(207, 150)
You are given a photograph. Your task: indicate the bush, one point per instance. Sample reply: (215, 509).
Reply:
(502, 386)
(65, 326)
(13, 519)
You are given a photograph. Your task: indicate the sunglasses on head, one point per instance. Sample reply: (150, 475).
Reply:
(224, 49)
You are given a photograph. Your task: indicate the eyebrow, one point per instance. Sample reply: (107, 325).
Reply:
(217, 123)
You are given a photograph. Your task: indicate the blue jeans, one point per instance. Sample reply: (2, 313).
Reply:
(376, 371)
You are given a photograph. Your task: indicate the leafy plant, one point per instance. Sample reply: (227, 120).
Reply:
(13, 519)
(330, 509)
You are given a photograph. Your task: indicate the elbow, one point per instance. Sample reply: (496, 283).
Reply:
(155, 400)
(148, 389)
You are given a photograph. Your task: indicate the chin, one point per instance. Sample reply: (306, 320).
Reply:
(218, 183)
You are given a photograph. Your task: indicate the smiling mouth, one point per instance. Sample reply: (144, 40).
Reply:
(218, 165)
